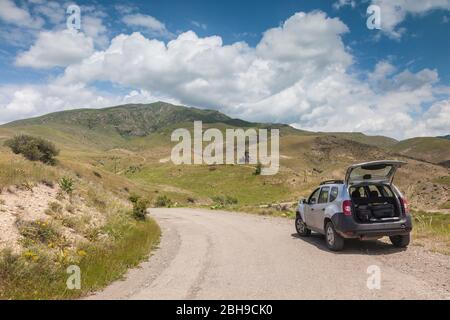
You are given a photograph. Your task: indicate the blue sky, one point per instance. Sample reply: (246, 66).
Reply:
(312, 64)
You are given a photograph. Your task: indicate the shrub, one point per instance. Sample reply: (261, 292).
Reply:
(40, 232)
(163, 201)
(66, 184)
(258, 169)
(134, 198)
(190, 200)
(140, 209)
(33, 148)
(140, 206)
(223, 201)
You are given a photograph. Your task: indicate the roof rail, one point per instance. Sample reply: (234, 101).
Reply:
(332, 182)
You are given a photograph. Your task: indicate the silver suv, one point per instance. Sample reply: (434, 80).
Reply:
(366, 205)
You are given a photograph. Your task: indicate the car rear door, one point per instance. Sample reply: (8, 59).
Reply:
(374, 172)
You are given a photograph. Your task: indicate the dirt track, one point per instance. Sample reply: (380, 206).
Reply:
(221, 255)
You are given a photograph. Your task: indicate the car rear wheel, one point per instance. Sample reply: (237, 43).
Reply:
(334, 241)
(401, 241)
(301, 228)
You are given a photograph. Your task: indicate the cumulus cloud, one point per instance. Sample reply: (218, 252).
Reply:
(53, 11)
(56, 49)
(299, 73)
(18, 16)
(29, 101)
(437, 118)
(393, 12)
(94, 28)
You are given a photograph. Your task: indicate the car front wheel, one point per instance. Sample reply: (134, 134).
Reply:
(334, 241)
(301, 228)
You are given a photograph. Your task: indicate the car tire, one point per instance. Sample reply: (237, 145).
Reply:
(333, 239)
(301, 228)
(401, 241)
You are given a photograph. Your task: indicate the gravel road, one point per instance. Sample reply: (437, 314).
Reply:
(221, 255)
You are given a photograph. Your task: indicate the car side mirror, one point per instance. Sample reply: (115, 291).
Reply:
(303, 201)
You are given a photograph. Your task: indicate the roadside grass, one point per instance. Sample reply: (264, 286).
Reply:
(16, 171)
(38, 275)
(433, 228)
(39, 270)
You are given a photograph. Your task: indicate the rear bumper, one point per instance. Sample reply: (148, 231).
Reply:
(347, 227)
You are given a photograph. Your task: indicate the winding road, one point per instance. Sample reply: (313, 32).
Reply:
(222, 255)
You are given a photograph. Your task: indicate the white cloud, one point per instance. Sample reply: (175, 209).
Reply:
(53, 11)
(437, 118)
(393, 12)
(94, 28)
(18, 16)
(299, 73)
(56, 49)
(150, 24)
(30, 101)
(342, 3)
(306, 37)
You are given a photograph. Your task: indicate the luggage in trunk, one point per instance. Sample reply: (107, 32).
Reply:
(374, 212)
(384, 210)
(364, 213)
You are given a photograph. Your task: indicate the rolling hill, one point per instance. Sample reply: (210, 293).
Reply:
(434, 150)
(131, 146)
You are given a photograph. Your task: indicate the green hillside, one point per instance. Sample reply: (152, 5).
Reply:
(130, 145)
(127, 120)
(435, 150)
(379, 141)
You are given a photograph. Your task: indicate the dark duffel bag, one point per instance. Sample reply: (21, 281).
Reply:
(364, 213)
(385, 210)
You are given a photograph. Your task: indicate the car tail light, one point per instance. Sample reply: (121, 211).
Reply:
(347, 207)
(405, 205)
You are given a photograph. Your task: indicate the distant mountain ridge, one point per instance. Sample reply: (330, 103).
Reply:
(113, 126)
(129, 120)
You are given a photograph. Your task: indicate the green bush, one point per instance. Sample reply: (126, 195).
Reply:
(134, 198)
(258, 169)
(140, 209)
(67, 185)
(33, 148)
(140, 206)
(163, 201)
(224, 201)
